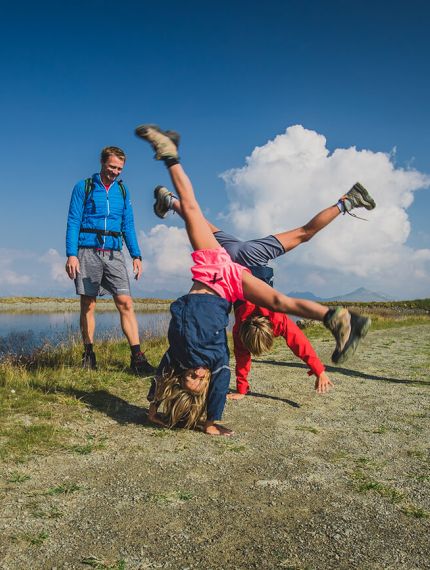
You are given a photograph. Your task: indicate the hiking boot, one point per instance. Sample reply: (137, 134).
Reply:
(89, 361)
(140, 366)
(338, 322)
(165, 143)
(358, 197)
(163, 201)
(359, 327)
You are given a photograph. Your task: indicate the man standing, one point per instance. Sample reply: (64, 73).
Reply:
(100, 214)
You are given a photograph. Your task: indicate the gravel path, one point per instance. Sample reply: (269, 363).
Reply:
(308, 482)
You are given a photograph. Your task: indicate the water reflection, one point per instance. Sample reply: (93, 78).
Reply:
(23, 333)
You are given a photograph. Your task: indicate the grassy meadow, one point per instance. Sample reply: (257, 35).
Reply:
(44, 393)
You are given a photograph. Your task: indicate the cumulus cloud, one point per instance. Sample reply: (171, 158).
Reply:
(10, 275)
(56, 264)
(166, 259)
(286, 181)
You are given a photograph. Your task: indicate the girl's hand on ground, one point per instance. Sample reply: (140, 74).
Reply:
(154, 418)
(322, 383)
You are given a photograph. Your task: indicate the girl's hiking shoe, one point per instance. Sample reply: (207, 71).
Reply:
(140, 366)
(163, 201)
(358, 197)
(348, 329)
(89, 360)
(359, 328)
(164, 143)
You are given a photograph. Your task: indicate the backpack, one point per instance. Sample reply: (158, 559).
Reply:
(89, 188)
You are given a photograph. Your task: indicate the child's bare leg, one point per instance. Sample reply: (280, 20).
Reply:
(177, 207)
(198, 230)
(211, 428)
(292, 238)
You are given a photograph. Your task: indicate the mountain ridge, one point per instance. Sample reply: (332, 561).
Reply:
(361, 294)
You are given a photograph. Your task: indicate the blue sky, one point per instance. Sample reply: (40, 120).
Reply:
(230, 76)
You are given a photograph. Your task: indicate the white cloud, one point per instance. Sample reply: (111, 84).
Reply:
(12, 276)
(166, 259)
(286, 181)
(56, 263)
(281, 185)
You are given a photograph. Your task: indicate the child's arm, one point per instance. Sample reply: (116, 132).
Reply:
(322, 383)
(153, 416)
(243, 361)
(262, 295)
(298, 342)
(216, 398)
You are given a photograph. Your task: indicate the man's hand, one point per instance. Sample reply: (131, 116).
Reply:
(72, 266)
(322, 383)
(137, 268)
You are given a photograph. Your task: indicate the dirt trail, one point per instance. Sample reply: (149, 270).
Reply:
(309, 482)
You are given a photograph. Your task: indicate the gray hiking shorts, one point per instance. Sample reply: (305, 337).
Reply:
(252, 252)
(102, 272)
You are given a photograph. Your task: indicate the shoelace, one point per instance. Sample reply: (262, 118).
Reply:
(355, 216)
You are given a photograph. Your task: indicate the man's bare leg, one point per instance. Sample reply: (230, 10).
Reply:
(87, 318)
(124, 304)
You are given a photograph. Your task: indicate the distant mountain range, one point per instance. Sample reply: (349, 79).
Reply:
(359, 295)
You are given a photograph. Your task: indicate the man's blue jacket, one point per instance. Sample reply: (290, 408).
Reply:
(101, 210)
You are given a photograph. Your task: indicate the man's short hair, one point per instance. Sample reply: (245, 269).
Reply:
(112, 150)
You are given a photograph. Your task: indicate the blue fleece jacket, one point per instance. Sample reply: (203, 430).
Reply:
(197, 337)
(102, 211)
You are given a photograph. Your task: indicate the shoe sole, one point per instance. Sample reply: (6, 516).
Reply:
(369, 202)
(142, 130)
(157, 213)
(359, 329)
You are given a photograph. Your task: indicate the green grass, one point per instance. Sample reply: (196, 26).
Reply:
(310, 429)
(365, 483)
(43, 393)
(100, 564)
(36, 539)
(17, 477)
(65, 489)
(48, 403)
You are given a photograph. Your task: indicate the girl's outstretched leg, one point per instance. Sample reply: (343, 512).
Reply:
(199, 233)
(166, 201)
(165, 145)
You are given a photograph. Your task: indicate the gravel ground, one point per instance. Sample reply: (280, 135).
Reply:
(308, 482)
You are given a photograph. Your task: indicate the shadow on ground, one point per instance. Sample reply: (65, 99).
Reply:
(345, 372)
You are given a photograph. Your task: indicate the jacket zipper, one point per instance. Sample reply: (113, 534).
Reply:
(108, 212)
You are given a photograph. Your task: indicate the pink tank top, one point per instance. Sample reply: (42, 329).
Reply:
(214, 268)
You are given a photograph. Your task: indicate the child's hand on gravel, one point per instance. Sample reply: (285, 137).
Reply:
(322, 383)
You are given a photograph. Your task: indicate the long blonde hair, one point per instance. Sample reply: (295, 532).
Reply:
(181, 406)
(256, 333)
